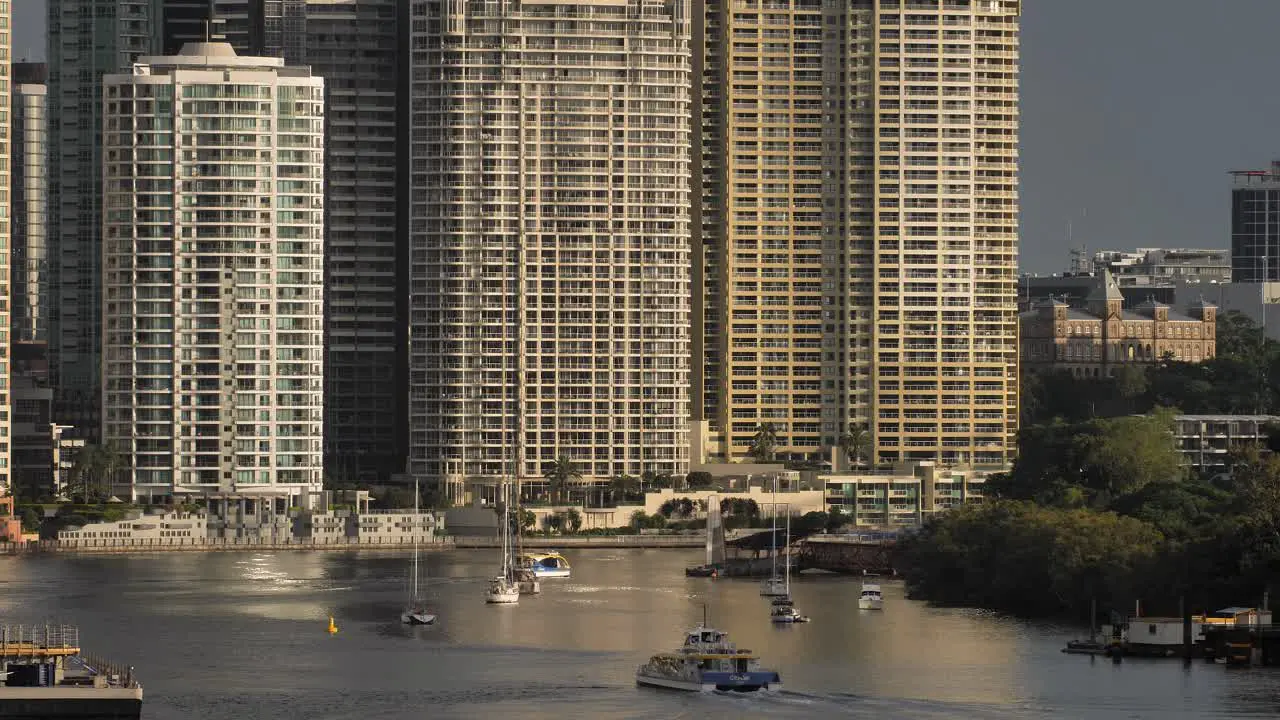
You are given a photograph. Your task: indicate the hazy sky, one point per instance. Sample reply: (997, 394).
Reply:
(1133, 112)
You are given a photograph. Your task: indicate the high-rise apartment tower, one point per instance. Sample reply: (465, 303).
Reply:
(213, 271)
(356, 45)
(858, 237)
(549, 238)
(86, 39)
(29, 274)
(6, 213)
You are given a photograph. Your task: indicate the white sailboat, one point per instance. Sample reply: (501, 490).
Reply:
(784, 611)
(415, 611)
(774, 586)
(503, 589)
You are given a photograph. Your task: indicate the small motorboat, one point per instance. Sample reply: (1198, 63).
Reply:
(417, 616)
(549, 564)
(774, 587)
(528, 582)
(703, 571)
(787, 614)
(707, 662)
(871, 598)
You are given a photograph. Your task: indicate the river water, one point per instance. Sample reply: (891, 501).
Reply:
(227, 635)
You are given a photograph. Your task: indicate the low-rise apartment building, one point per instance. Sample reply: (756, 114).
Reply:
(904, 497)
(1205, 441)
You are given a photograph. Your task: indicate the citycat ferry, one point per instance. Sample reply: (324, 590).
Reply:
(550, 564)
(707, 662)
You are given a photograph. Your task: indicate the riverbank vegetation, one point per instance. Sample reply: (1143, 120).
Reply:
(1099, 506)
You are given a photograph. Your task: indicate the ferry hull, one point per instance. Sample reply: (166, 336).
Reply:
(711, 682)
(70, 704)
(871, 604)
(551, 572)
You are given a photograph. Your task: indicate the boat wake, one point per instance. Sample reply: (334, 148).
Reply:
(792, 703)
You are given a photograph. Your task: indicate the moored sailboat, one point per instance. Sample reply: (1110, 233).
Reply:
(415, 610)
(775, 586)
(503, 588)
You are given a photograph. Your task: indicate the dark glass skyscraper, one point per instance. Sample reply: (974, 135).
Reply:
(1255, 225)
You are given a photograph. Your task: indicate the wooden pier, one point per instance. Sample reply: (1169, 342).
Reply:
(1243, 645)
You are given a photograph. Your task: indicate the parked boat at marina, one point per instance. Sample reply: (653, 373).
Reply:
(706, 662)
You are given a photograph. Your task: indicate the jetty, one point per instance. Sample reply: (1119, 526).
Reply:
(853, 553)
(44, 674)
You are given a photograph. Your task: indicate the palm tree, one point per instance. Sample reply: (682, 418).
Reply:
(623, 486)
(764, 443)
(111, 463)
(89, 473)
(559, 473)
(855, 444)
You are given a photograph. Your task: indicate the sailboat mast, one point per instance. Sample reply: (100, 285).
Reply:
(773, 535)
(414, 531)
(787, 545)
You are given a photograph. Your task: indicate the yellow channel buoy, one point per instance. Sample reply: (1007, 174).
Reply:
(332, 627)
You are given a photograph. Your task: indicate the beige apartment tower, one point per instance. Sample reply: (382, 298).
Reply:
(858, 239)
(549, 240)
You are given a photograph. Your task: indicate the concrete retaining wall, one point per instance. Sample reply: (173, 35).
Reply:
(604, 541)
(118, 545)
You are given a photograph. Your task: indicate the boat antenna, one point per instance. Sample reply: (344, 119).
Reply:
(704, 615)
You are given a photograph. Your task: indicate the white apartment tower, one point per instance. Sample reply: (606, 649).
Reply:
(213, 263)
(6, 212)
(549, 238)
(859, 230)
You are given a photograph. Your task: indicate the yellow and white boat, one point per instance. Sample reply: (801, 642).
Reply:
(549, 564)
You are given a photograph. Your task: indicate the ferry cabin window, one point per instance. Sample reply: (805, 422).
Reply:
(742, 665)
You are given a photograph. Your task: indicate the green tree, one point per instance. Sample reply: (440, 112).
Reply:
(527, 520)
(559, 473)
(764, 443)
(93, 472)
(624, 488)
(699, 480)
(855, 445)
(656, 480)
(1019, 558)
(573, 520)
(30, 520)
(639, 520)
(1091, 463)
(553, 522)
